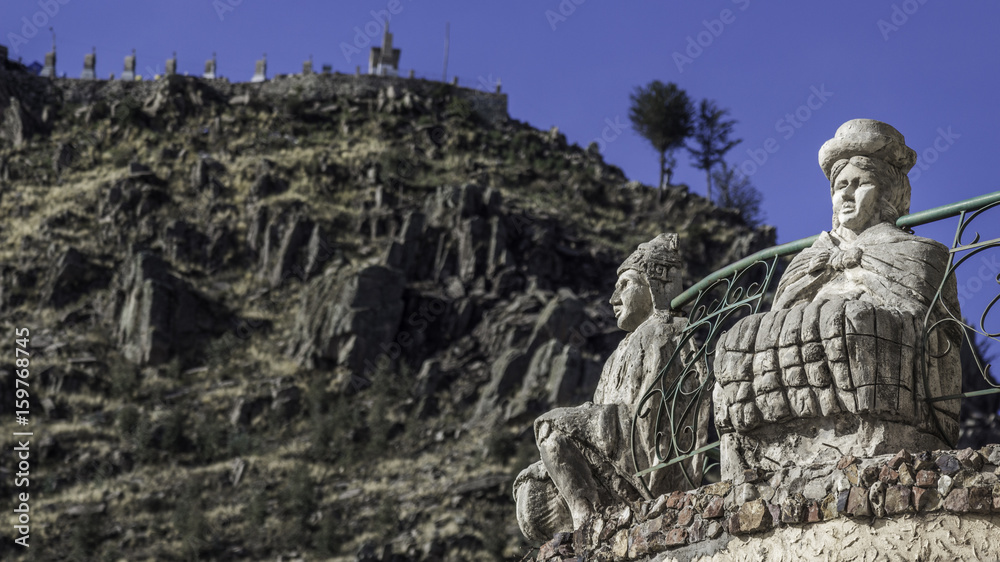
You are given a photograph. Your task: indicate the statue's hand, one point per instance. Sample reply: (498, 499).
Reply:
(819, 262)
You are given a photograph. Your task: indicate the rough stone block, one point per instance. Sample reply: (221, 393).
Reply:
(789, 356)
(745, 492)
(906, 477)
(948, 464)
(717, 489)
(846, 398)
(812, 353)
(829, 506)
(675, 537)
(970, 459)
(926, 499)
(714, 508)
(754, 516)
(696, 531)
(752, 475)
(926, 478)
(865, 396)
(656, 509)
(841, 374)
(829, 404)
(813, 513)
(768, 382)
(686, 515)
(714, 530)
(888, 475)
(843, 501)
(766, 361)
(619, 545)
(732, 524)
(775, 511)
(924, 460)
(869, 476)
(980, 499)
(899, 458)
(898, 499)
(991, 453)
(846, 461)
(639, 542)
(794, 376)
(852, 474)
(792, 511)
(675, 499)
(803, 402)
(957, 501)
(774, 406)
(690, 499)
(876, 499)
(857, 502)
(944, 486)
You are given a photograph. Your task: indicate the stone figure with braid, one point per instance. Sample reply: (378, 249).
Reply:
(849, 353)
(586, 462)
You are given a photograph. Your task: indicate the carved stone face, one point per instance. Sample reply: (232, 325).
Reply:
(856, 199)
(632, 300)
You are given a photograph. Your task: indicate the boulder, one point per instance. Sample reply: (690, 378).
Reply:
(157, 315)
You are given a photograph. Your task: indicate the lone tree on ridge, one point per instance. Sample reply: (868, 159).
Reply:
(662, 114)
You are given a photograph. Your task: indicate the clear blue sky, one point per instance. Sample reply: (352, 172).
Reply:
(928, 67)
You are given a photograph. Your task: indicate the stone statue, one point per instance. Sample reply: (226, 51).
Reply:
(841, 364)
(586, 461)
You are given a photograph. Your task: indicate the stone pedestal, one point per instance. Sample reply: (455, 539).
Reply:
(911, 505)
(819, 440)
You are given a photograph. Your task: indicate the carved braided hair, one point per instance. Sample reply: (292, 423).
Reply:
(654, 260)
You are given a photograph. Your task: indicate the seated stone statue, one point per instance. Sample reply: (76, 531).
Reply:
(841, 363)
(586, 460)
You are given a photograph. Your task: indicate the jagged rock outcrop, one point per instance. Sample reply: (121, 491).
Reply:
(347, 318)
(156, 315)
(288, 243)
(17, 124)
(74, 275)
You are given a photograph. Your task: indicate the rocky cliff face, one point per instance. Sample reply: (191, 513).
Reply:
(312, 318)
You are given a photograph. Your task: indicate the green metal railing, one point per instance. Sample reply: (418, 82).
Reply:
(673, 407)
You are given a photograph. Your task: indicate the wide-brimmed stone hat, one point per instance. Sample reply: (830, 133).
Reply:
(867, 137)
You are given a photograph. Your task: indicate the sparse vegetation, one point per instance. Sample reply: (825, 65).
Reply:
(229, 448)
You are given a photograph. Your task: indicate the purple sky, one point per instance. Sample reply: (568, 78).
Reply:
(792, 73)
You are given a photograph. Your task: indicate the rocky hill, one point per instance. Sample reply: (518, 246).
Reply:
(307, 319)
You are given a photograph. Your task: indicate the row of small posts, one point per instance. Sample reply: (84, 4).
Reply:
(260, 69)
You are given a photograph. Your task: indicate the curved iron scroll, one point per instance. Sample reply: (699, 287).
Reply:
(670, 408)
(960, 253)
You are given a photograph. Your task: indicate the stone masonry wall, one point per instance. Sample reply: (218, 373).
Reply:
(922, 505)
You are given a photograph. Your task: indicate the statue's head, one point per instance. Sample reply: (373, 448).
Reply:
(648, 280)
(866, 162)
